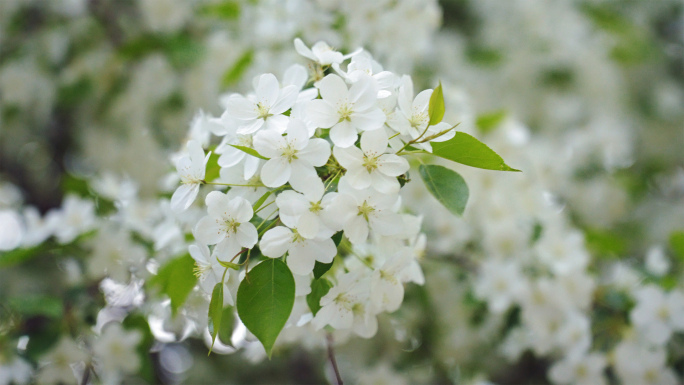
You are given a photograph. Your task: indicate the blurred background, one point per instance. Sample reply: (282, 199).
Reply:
(547, 278)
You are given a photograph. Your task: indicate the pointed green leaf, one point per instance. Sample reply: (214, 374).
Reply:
(176, 279)
(447, 186)
(234, 74)
(265, 299)
(487, 122)
(319, 288)
(215, 312)
(321, 268)
(229, 265)
(677, 244)
(213, 168)
(250, 151)
(436, 106)
(261, 200)
(227, 323)
(465, 149)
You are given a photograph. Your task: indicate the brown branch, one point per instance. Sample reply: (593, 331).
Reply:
(331, 356)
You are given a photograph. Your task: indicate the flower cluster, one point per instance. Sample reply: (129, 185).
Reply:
(314, 164)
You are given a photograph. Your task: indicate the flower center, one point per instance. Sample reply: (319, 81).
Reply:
(418, 119)
(345, 111)
(200, 270)
(263, 111)
(370, 162)
(296, 237)
(289, 153)
(365, 210)
(231, 226)
(315, 207)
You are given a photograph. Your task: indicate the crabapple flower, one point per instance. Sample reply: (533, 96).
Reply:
(346, 306)
(292, 158)
(209, 272)
(320, 52)
(56, 364)
(658, 314)
(357, 212)
(346, 111)
(370, 166)
(582, 370)
(191, 169)
(227, 225)
(265, 108)
(115, 349)
(412, 117)
(387, 291)
(307, 212)
(302, 252)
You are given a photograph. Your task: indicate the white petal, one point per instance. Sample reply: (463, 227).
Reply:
(308, 225)
(240, 209)
(350, 157)
(287, 98)
(305, 180)
(247, 235)
(276, 241)
(217, 204)
(385, 184)
(276, 172)
(422, 100)
(386, 223)
(333, 89)
(295, 75)
(267, 90)
(268, 143)
(231, 156)
(227, 248)
(238, 107)
(322, 113)
(358, 178)
(277, 123)
(368, 120)
(251, 167)
(392, 165)
(183, 197)
(208, 231)
(199, 253)
(343, 134)
(292, 203)
(301, 259)
(374, 142)
(356, 229)
(363, 93)
(303, 50)
(250, 127)
(297, 134)
(316, 152)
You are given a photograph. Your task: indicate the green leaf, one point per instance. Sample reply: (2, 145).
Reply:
(261, 200)
(605, 243)
(176, 280)
(436, 106)
(677, 244)
(487, 122)
(447, 186)
(321, 268)
(226, 328)
(34, 305)
(239, 68)
(229, 265)
(250, 151)
(213, 168)
(18, 256)
(265, 299)
(319, 288)
(465, 149)
(226, 10)
(215, 312)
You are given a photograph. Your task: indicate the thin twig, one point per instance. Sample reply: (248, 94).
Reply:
(331, 355)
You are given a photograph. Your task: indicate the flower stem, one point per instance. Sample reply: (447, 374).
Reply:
(331, 356)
